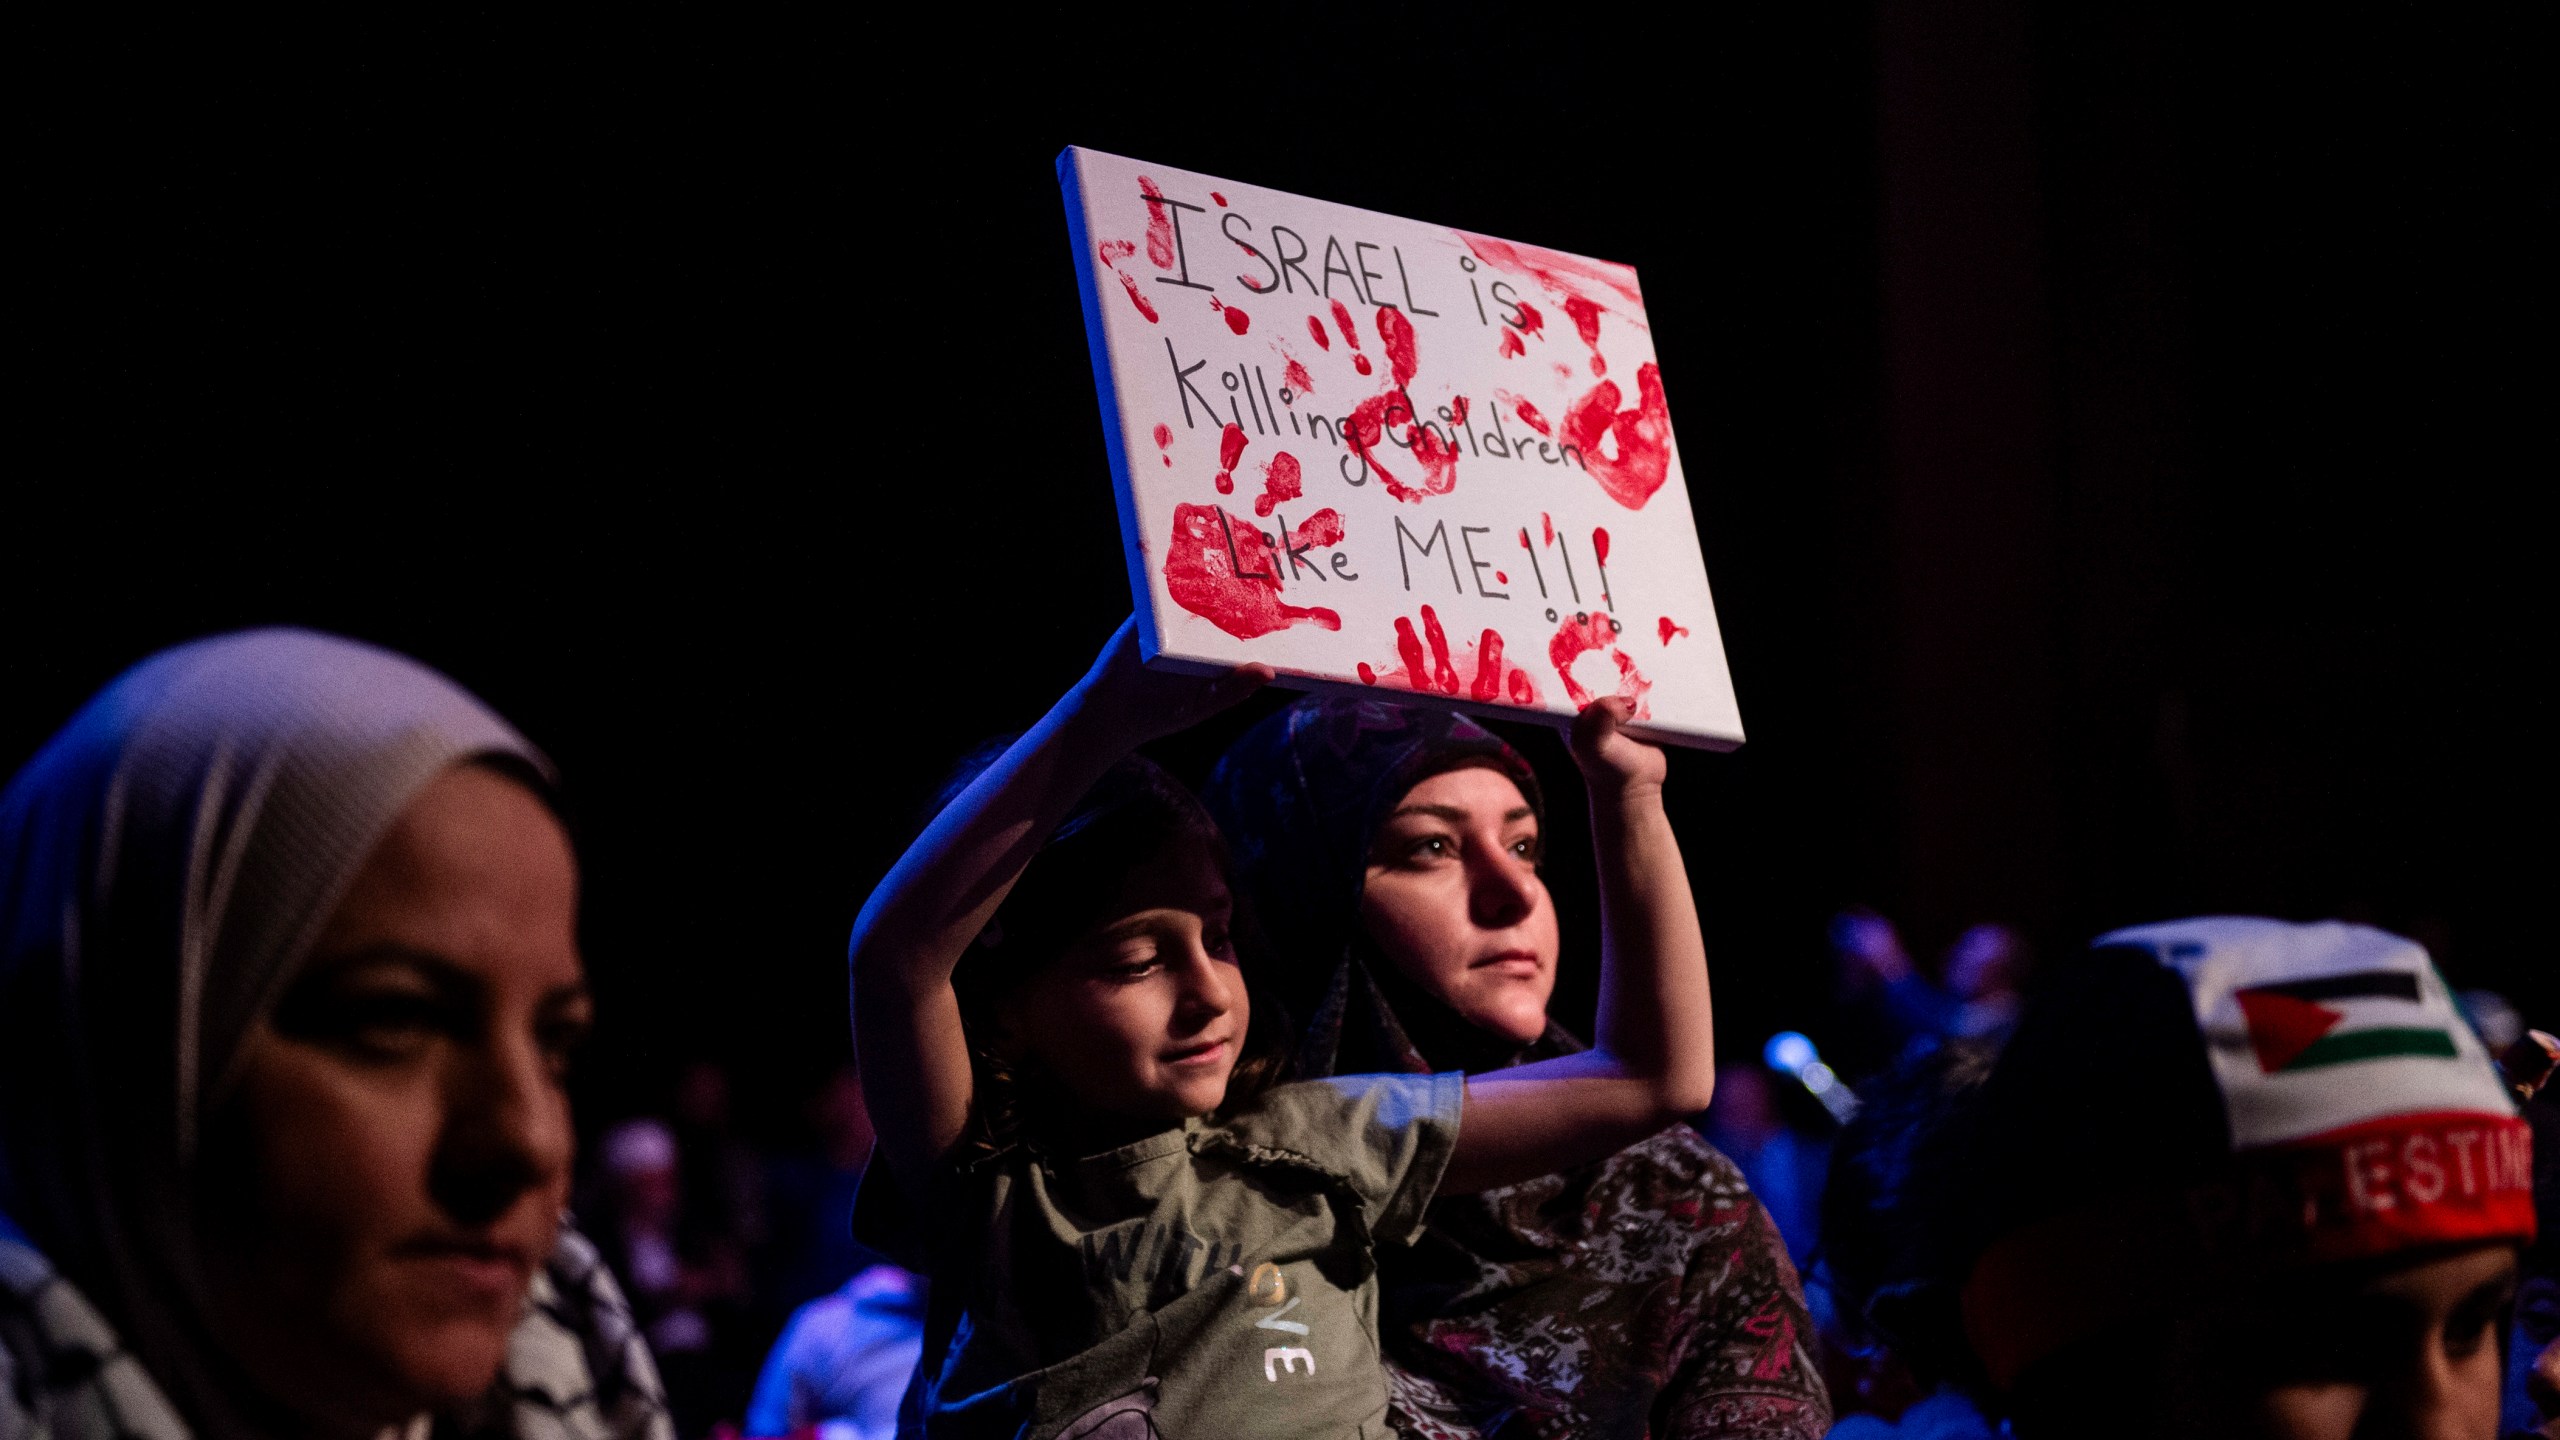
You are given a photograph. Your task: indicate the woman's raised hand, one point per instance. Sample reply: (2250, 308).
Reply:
(1133, 704)
(1614, 763)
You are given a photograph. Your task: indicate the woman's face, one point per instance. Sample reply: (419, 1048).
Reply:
(392, 1163)
(1454, 900)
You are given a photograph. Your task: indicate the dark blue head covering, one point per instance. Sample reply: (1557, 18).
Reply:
(1301, 797)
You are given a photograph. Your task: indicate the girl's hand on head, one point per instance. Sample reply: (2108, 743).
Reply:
(1133, 704)
(1615, 764)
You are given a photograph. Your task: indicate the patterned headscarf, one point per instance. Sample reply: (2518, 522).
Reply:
(1301, 797)
(166, 863)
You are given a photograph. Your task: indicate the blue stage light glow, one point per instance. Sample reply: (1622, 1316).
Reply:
(1789, 1053)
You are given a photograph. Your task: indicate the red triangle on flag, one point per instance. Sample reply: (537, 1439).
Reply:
(2281, 1027)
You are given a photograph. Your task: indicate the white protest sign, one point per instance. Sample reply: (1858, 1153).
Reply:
(1377, 454)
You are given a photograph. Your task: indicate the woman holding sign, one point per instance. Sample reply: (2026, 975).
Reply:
(1393, 854)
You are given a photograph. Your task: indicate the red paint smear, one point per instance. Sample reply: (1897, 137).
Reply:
(1458, 410)
(1320, 529)
(1360, 363)
(1600, 544)
(1531, 322)
(1221, 199)
(1435, 450)
(1396, 333)
(1164, 441)
(1511, 343)
(1226, 483)
(1298, 378)
(1443, 674)
(1115, 251)
(1130, 283)
(1588, 636)
(1237, 320)
(1368, 427)
(1669, 629)
(1315, 327)
(1280, 482)
(1498, 577)
(1609, 284)
(1644, 437)
(1203, 580)
(1409, 650)
(1438, 458)
(1529, 416)
(1159, 226)
(1586, 320)
(1231, 443)
(1342, 319)
(1549, 522)
(1488, 684)
(1440, 674)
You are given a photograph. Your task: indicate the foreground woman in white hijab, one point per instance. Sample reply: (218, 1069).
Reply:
(288, 976)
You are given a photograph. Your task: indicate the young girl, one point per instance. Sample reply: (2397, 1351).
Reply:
(1131, 1232)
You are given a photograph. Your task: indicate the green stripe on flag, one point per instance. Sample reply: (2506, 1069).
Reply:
(2373, 1045)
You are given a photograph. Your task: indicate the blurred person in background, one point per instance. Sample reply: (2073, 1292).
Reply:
(2242, 1178)
(1393, 856)
(289, 980)
(1890, 1010)
(813, 1252)
(1782, 1154)
(721, 1224)
(1886, 1282)
(682, 1297)
(723, 1176)
(843, 1362)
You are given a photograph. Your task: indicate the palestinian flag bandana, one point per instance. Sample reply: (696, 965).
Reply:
(2345, 1069)
(2364, 1119)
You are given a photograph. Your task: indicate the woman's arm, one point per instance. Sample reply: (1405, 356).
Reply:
(943, 891)
(1653, 1060)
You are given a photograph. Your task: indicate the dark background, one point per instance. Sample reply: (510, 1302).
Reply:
(2115, 432)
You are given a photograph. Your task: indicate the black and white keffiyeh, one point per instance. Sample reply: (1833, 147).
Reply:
(576, 1366)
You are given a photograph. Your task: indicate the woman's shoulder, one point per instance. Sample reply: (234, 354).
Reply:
(1681, 1155)
(1670, 1184)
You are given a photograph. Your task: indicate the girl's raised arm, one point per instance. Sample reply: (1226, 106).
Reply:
(943, 891)
(1653, 1060)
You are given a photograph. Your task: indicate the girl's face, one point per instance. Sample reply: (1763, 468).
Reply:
(392, 1163)
(1454, 900)
(1143, 1019)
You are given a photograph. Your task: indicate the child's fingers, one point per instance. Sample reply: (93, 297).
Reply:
(1599, 722)
(1236, 684)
